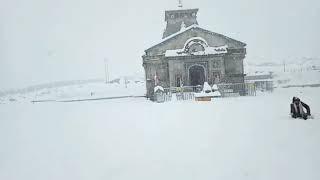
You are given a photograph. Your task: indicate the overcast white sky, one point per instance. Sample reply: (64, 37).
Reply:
(44, 40)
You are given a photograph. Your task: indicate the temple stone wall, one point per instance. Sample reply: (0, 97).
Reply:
(233, 65)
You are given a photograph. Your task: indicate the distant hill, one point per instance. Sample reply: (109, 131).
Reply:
(130, 78)
(299, 71)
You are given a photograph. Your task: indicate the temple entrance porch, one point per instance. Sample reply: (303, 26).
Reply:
(196, 75)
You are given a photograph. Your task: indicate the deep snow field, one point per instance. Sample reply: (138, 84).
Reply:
(135, 139)
(77, 92)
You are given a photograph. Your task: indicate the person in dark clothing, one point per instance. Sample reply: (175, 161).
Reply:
(297, 109)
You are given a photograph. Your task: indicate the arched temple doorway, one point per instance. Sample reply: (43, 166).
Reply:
(196, 75)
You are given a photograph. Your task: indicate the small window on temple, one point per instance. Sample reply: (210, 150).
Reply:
(172, 16)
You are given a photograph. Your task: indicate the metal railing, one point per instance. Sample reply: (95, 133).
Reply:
(183, 96)
(180, 94)
(187, 92)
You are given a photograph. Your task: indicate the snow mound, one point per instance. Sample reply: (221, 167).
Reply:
(157, 88)
(206, 87)
(214, 87)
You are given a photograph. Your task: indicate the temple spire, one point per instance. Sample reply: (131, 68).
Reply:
(174, 19)
(180, 4)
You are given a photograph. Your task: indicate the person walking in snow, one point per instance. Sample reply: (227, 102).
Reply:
(297, 109)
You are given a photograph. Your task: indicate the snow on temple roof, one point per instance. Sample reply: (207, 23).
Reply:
(191, 27)
(179, 32)
(207, 51)
(195, 38)
(174, 34)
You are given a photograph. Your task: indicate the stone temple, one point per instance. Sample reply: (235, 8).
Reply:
(189, 55)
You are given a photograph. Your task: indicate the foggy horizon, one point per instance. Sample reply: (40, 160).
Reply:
(45, 41)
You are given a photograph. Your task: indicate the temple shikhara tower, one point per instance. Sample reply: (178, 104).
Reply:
(189, 55)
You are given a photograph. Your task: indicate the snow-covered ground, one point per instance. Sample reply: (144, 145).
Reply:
(133, 138)
(79, 91)
(121, 139)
